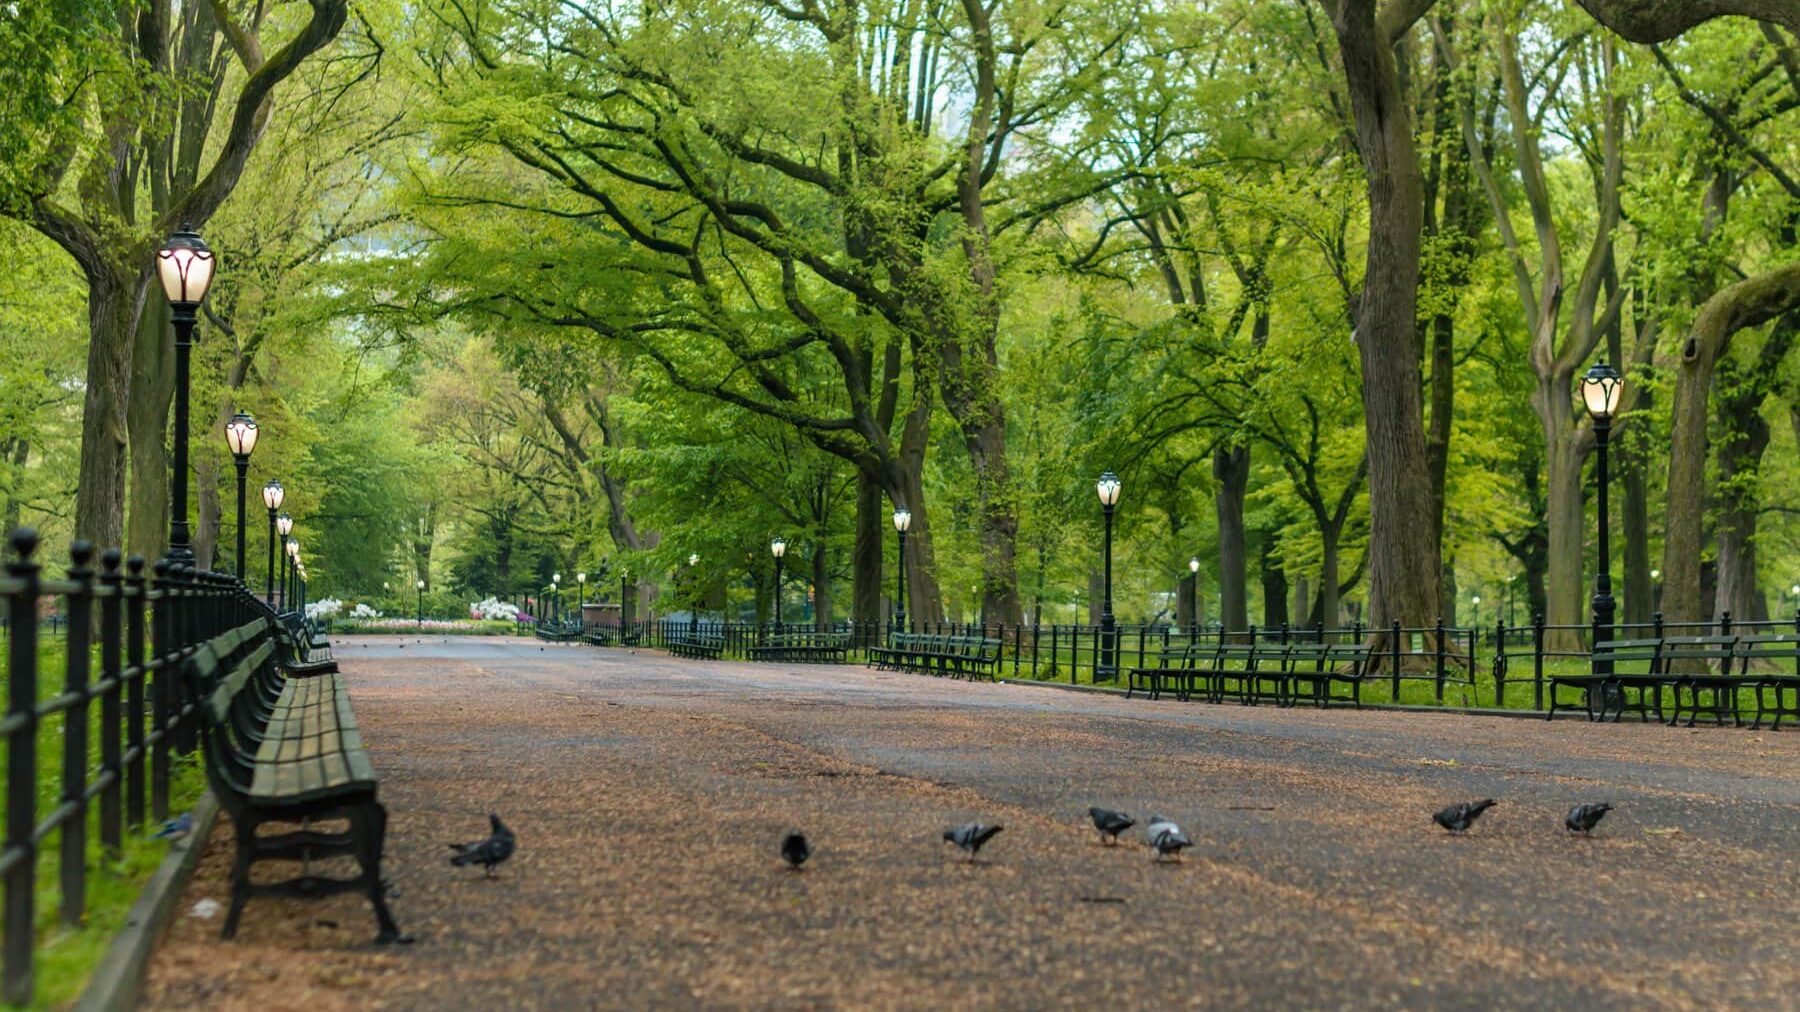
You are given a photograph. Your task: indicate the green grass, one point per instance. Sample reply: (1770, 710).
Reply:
(65, 956)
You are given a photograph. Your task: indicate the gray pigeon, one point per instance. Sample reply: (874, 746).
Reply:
(489, 853)
(1166, 838)
(795, 850)
(972, 837)
(1110, 823)
(1458, 817)
(1583, 818)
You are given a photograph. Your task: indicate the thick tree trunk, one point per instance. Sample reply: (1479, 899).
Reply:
(1449, 591)
(1564, 516)
(904, 479)
(1749, 303)
(1274, 585)
(1403, 536)
(821, 586)
(1740, 460)
(998, 522)
(869, 552)
(115, 298)
(147, 417)
(1231, 469)
(1185, 597)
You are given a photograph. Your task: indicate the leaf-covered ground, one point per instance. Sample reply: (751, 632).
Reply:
(650, 794)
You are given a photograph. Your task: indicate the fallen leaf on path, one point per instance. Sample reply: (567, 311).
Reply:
(1663, 831)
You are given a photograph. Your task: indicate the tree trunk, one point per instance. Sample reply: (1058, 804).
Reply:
(16, 452)
(1748, 303)
(906, 484)
(1740, 460)
(1300, 601)
(1096, 595)
(1661, 20)
(147, 417)
(1231, 469)
(1403, 536)
(114, 300)
(821, 586)
(1274, 585)
(998, 522)
(869, 552)
(1186, 594)
(1564, 515)
(1449, 591)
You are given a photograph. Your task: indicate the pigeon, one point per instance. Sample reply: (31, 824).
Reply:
(489, 853)
(1166, 838)
(1459, 817)
(795, 850)
(1110, 823)
(1583, 818)
(177, 828)
(971, 837)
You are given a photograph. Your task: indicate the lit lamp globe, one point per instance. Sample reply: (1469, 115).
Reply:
(1108, 488)
(1194, 565)
(284, 524)
(778, 547)
(185, 266)
(273, 494)
(694, 559)
(1600, 390)
(902, 519)
(240, 435)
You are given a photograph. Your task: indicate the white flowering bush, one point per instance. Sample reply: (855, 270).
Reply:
(494, 609)
(327, 608)
(362, 610)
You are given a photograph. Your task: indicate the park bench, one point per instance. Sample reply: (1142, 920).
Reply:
(1693, 665)
(557, 632)
(805, 646)
(1174, 665)
(698, 646)
(957, 656)
(1319, 666)
(285, 749)
(599, 636)
(299, 656)
(1770, 665)
(1241, 664)
(1636, 664)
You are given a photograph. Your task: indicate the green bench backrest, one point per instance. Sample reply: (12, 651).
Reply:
(1767, 649)
(226, 689)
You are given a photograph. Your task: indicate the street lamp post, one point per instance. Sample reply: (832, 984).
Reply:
(240, 436)
(273, 496)
(902, 524)
(421, 589)
(1106, 659)
(556, 613)
(580, 599)
(284, 526)
(290, 579)
(1194, 595)
(185, 267)
(1600, 390)
(694, 606)
(778, 547)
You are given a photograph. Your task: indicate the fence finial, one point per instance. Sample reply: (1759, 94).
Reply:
(25, 541)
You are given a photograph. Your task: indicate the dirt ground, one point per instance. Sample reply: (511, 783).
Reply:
(649, 796)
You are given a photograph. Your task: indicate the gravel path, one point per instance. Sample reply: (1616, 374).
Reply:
(649, 795)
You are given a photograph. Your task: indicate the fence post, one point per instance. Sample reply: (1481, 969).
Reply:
(1438, 660)
(1537, 659)
(72, 870)
(1500, 662)
(1725, 623)
(162, 647)
(112, 832)
(1394, 651)
(21, 770)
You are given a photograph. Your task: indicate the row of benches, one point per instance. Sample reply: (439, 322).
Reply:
(557, 632)
(956, 656)
(281, 746)
(1700, 674)
(1248, 672)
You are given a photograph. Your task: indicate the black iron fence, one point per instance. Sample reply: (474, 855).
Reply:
(116, 720)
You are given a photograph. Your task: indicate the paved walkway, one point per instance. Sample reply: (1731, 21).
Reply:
(649, 795)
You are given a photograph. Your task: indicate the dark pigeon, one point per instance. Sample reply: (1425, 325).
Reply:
(1166, 838)
(1583, 818)
(489, 853)
(795, 850)
(1459, 817)
(972, 837)
(1110, 823)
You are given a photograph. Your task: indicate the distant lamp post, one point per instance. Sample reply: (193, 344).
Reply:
(1600, 390)
(421, 588)
(1475, 607)
(778, 548)
(1194, 595)
(902, 524)
(580, 596)
(240, 436)
(273, 496)
(284, 526)
(290, 582)
(185, 267)
(1106, 659)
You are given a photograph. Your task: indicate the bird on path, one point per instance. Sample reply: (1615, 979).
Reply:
(1110, 823)
(1166, 838)
(1460, 816)
(489, 853)
(177, 828)
(795, 850)
(971, 837)
(1583, 818)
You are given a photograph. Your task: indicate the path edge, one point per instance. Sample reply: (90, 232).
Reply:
(119, 979)
(1467, 711)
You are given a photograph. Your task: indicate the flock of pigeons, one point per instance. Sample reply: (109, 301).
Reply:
(1163, 836)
